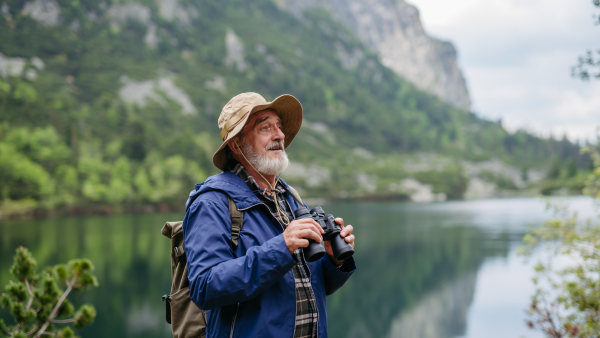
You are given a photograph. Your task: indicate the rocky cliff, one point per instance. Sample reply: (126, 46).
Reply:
(393, 29)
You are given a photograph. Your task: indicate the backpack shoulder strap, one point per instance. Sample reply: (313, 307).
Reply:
(296, 195)
(237, 221)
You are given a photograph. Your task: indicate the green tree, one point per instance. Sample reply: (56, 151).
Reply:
(588, 65)
(37, 303)
(567, 300)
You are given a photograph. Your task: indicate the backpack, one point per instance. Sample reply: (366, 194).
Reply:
(186, 318)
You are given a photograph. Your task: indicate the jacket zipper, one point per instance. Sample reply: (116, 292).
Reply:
(233, 321)
(309, 279)
(309, 276)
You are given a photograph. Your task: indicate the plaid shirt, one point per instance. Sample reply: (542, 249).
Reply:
(306, 306)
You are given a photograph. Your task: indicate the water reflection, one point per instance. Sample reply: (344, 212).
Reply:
(441, 313)
(131, 260)
(419, 265)
(407, 257)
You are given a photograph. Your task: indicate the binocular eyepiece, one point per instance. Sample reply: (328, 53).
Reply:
(314, 251)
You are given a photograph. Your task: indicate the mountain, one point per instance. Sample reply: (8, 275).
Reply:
(393, 29)
(112, 106)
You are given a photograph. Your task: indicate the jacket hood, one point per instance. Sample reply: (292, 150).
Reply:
(230, 184)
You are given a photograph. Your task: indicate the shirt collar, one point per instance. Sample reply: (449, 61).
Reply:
(238, 169)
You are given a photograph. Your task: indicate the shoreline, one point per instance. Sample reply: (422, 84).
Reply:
(108, 210)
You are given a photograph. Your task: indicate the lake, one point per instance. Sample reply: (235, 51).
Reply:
(439, 270)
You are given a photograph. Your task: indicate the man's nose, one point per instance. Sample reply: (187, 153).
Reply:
(278, 135)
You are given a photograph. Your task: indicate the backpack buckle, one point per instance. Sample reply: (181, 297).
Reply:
(167, 300)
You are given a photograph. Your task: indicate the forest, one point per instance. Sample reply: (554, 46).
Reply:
(112, 106)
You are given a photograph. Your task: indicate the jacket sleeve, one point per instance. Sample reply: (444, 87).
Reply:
(334, 277)
(216, 277)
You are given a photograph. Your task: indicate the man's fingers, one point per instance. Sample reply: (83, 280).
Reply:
(301, 243)
(308, 223)
(349, 239)
(340, 221)
(309, 233)
(346, 230)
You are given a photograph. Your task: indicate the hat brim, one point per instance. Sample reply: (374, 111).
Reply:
(289, 110)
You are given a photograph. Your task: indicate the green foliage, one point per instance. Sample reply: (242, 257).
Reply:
(37, 302)
(501, 181)
(450, 181)
(588, 65)
(592, 185)
(567, 301)
(68, 139)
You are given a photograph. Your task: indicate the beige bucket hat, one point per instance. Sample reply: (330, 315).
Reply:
(236, 112)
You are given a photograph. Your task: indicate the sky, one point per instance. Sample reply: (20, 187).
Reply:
(516, 56)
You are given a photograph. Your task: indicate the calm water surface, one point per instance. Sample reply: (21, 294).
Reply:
(424, 270)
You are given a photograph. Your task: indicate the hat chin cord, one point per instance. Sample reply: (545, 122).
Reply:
(284, 219)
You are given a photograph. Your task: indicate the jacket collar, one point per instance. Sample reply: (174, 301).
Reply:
(233, 186)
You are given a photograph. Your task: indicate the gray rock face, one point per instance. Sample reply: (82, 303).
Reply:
(393, 29)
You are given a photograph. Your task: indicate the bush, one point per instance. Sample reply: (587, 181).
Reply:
(567, 301)
(36, 302)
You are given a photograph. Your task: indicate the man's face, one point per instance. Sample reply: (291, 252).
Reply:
(263, 143)
(262, 130)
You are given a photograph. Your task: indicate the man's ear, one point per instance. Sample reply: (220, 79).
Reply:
(233, 146)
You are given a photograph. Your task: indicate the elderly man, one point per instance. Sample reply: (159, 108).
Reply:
(263, 286)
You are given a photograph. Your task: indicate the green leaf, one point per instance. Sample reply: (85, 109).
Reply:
(79, 266)
(24, 265)
(66, 333)
(17, 291)
(4, 86)
(61, 272)
(3, 328)
(85, 316)
(66, 308)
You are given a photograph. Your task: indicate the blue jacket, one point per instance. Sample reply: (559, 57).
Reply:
(249, 291)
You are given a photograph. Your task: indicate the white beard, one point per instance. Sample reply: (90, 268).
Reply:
(262, 163)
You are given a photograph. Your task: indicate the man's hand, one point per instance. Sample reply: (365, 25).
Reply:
(346, 234)
(296, 234)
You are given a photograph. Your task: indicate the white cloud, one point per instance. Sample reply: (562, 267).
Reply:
(516, 56)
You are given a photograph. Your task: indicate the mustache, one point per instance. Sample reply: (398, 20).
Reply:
(275, 145)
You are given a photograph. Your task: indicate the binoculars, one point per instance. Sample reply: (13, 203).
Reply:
(314, 251)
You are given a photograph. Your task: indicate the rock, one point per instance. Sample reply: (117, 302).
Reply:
(349, 59)
(172, 10)
(44, 11)
(393, 29)
(120, 13)
(367, 182)
(140, 92)
(11, 66)
(5, 11)
(38, 63)
(417, 191)
(364, 153)
(478, 188)
(151, 39)
(234, 51)
(313, 174)
(218, 83)
(500, 169)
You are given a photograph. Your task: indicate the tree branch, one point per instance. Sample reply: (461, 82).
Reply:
(30, 295)
(63, 321)
(17, 329)
(55, 310)
(32, 330)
